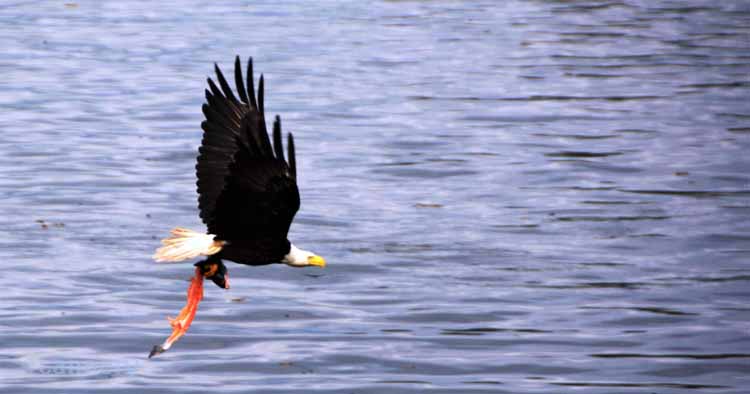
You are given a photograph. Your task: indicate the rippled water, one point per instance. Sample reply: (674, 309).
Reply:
(522, 196)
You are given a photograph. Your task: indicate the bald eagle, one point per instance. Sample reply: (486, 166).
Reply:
(247, 194)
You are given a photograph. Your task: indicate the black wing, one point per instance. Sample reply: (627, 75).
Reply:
(246, 190)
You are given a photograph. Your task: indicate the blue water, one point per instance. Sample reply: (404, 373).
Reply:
(513, 197)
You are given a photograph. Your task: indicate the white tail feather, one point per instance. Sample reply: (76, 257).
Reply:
(185, 244)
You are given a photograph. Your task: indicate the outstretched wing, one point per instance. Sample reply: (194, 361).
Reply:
(246, 188)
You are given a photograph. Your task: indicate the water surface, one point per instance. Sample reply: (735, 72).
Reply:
(513, 197)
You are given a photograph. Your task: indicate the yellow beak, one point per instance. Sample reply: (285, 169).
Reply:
(316, 261)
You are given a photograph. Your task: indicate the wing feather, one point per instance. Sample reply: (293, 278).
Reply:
(251, 84)
(277, 147)
(239, 81)
(291, 155)
(224, 85)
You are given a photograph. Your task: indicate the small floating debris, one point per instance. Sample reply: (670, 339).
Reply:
(45, 225)
(428, 205)
(581, 154)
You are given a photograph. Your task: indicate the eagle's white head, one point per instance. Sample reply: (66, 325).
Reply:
(302, 258)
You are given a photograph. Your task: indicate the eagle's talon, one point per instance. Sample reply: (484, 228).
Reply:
(216, 271)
